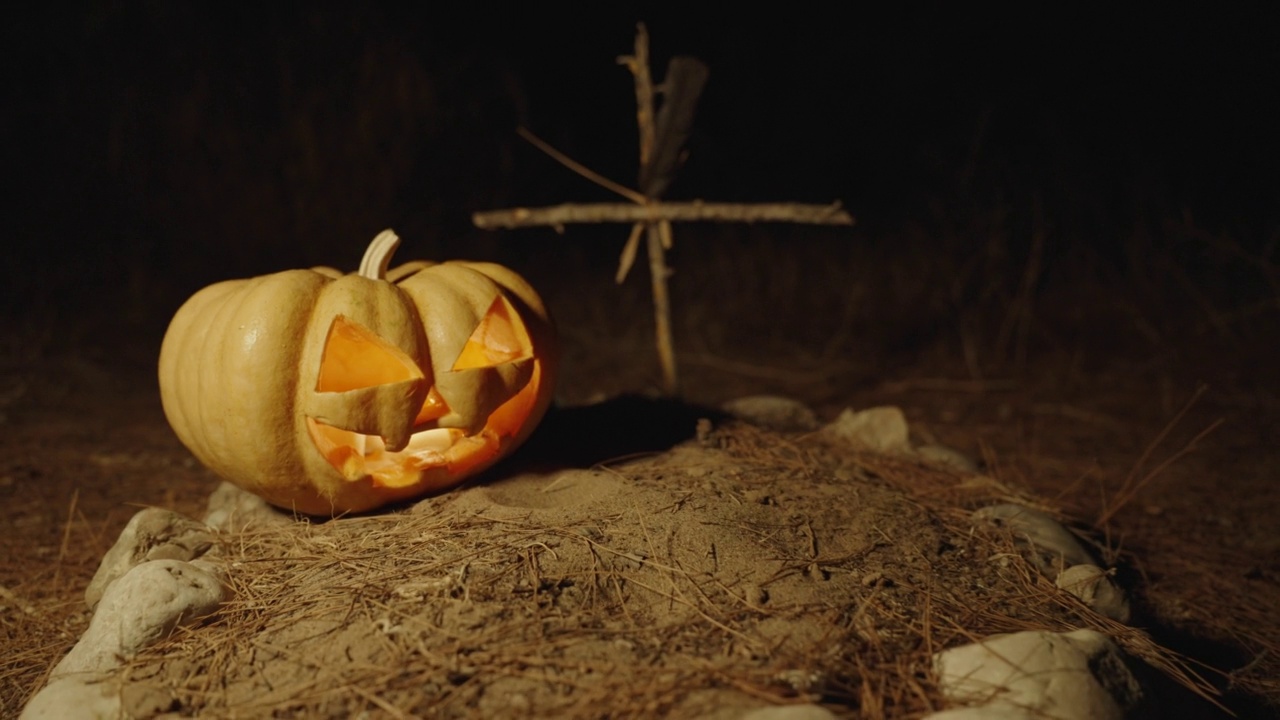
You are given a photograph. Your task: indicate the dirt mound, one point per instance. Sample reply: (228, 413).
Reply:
(740, 569)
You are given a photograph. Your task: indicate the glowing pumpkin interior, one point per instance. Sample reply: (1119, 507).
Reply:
(355, 357)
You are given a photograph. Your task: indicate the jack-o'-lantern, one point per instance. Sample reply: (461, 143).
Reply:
(327, 393)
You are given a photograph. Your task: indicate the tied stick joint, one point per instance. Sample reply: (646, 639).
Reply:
(662, 138)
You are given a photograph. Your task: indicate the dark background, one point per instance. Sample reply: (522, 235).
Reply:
(155, 147)
(1078, 205)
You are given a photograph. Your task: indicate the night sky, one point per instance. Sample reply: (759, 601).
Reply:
(161, 146)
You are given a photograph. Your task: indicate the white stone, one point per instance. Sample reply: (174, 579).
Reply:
(1094, 587)
(232, 509)
(78, 696)
(880, 429)
(1079, 675)
(947, 457)
(774, 412)
(141, 607)
(982, 712)
(152, 534)
(789, 712)
(1055, 547)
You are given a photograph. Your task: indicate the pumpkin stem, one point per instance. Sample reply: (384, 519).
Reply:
(378, 256)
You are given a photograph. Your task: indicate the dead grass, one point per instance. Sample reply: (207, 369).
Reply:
(448, 611)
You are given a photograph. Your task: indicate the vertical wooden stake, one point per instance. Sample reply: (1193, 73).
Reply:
(638, 64)
(659, 234)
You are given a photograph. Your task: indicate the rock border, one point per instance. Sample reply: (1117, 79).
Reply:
(152, 581)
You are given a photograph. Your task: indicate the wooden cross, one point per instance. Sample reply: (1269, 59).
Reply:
(662, 140)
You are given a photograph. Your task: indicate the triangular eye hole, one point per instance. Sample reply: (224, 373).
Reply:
(499, 338)
(355, 357)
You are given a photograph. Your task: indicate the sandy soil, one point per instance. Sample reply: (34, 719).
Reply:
(660, 571)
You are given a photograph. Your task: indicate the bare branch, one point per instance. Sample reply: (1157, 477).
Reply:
(638, 64)
(681, 88)
(658, 272)
(695, 211)
(578, 167)
(629, 252)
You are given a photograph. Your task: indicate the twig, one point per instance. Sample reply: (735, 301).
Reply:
(1132, 484)
(658, 273)
(638, 64)
(629, 253)
(692, 211)
(573, 165)
(66, 534)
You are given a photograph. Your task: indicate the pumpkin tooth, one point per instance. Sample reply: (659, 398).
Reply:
(437, 440)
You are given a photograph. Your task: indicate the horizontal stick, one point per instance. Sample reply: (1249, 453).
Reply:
(696, 211)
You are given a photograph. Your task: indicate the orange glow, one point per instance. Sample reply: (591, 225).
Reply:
(433, 408)
(428, 450)
(499, 338)
(356, 455)
(355, 357)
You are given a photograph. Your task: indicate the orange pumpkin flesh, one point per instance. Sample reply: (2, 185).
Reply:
(355, 358)
(497, 340)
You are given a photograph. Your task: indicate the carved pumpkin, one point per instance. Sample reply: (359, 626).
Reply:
(326, 393)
